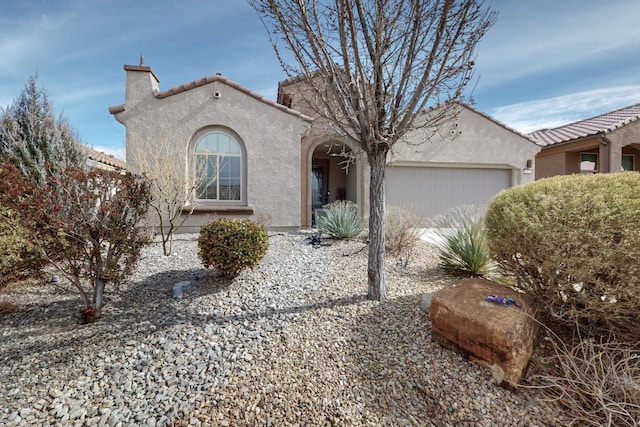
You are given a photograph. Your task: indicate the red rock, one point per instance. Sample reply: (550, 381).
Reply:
(500, 337)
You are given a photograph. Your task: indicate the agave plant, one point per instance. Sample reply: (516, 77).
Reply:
(462, 243)
(340, 220)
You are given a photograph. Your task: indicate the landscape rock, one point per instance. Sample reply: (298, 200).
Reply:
(498, 336)
(425, 302)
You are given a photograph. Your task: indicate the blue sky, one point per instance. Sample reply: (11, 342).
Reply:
(544, 63)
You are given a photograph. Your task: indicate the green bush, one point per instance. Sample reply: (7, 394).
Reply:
(573, 243)
(18, 256)
(231, 245)
(462, 243)
(340, 220)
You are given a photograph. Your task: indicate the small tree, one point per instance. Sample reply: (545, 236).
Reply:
(371, 68)
(84, 222)
(172, 189)
(34, 140)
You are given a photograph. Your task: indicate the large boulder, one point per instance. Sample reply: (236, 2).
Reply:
(499, 336)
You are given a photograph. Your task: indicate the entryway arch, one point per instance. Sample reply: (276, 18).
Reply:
(332, 171)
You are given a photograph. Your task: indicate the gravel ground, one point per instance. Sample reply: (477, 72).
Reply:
(292, 342)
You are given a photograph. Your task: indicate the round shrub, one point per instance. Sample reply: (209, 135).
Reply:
(573, 243)
(231, 245)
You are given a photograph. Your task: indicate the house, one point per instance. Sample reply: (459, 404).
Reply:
(468, 162)
(240, 150)
(274, 162)
(100, 160)
(609, 142)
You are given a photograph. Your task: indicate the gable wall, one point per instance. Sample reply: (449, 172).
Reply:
(469, 140)
(271, 138)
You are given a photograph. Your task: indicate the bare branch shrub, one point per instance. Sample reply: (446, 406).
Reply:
(172, 188)
(401, 233)
(597, 384)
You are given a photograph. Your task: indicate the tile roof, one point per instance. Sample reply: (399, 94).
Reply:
(601, 124)
(206, 80)
(104, 158)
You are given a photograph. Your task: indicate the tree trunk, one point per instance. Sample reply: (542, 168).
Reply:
(98, 294)
(377, 279)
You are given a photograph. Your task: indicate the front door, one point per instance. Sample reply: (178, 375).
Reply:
(319, 187)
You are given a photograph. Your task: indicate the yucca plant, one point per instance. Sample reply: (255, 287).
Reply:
(462, 243)
(340, 220)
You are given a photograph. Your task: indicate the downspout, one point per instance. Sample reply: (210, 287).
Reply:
(606, 142)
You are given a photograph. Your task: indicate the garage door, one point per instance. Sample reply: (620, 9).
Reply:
(429, 191)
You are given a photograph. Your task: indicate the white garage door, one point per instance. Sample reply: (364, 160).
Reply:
(430, 191)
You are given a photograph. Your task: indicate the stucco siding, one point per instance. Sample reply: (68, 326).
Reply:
(270, 136)
(470, 140)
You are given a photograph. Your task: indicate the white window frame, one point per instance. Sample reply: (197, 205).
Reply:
(241, 155)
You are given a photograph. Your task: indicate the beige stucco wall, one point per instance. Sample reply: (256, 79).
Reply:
(468, 139)
(270, 136)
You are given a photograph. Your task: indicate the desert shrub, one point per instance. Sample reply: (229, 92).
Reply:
(85, 223)
(462, 243)
(401, 232)
(231, 245)
(340, 220)
(18, 255)
(573, 243)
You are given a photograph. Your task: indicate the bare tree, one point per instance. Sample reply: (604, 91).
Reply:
(173, 189)
(373, 67)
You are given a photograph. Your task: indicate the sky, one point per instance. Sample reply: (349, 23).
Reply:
(544, 63)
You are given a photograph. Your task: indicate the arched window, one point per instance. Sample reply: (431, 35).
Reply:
(218, 167)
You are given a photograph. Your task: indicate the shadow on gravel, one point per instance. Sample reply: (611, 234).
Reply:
(332, 303)
(391, 351)
(52, 329)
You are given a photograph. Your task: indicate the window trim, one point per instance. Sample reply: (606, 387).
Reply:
(243, 166)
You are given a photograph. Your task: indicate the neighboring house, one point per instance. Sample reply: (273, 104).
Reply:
(282, 164)
(100, 160)
(606, 143)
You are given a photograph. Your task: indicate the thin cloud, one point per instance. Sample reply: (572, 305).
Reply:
(549, 113)
(525, 42)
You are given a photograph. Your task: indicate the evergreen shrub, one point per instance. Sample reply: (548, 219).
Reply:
(231, 245)
(573, 243)
(18, 255)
